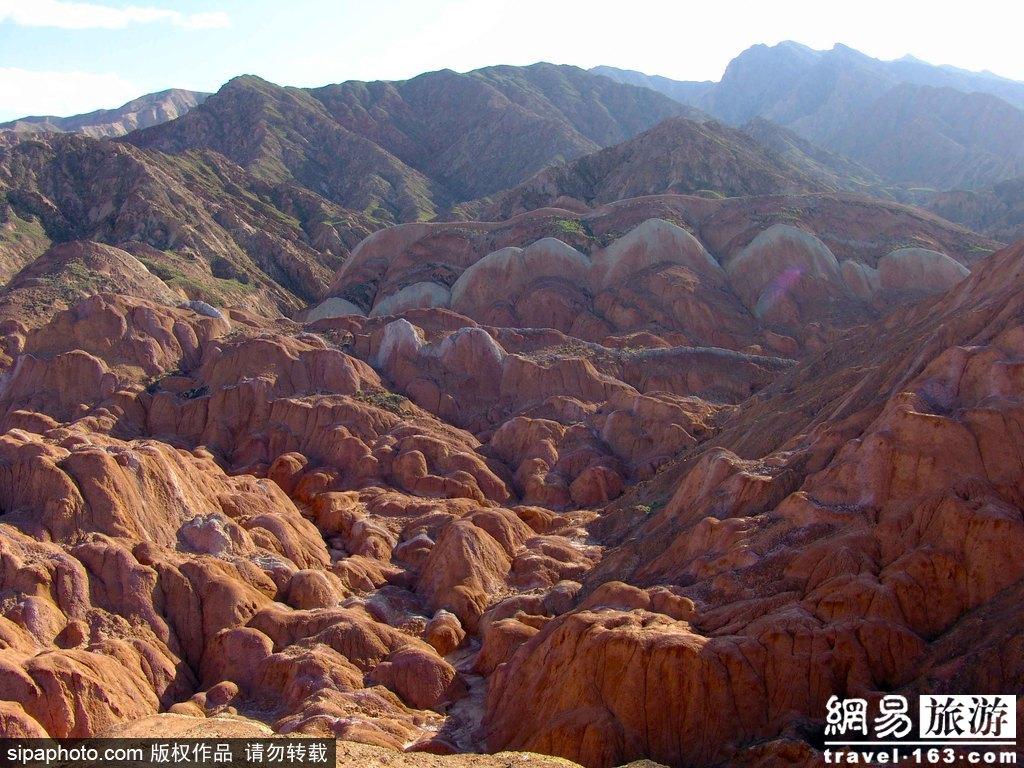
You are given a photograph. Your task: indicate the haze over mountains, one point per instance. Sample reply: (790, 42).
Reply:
(151, 109)
(911, 122)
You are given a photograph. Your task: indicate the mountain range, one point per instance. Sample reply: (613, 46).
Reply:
(912, 123)
(900, 130)
(408, 150)
(259, 191)
(415, 149)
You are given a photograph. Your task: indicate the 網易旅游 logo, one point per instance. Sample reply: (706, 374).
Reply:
(972, 729)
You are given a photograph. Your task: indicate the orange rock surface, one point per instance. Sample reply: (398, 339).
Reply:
(657, 492)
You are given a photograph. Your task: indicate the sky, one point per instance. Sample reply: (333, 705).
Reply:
(60, 57)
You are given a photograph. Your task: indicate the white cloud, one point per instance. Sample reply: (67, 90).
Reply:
(72, 15)
(27, 92)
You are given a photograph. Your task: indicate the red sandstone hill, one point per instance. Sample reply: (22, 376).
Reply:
(754, 274)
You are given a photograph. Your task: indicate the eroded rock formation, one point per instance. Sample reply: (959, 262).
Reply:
(656, 487)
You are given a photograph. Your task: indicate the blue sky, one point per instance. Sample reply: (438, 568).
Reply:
(62, 57)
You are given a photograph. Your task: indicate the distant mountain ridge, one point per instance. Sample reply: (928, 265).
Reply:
(997, 210)
(910, 122)
(907, 69)
(831, 169)
(686, 91)
(143, 112)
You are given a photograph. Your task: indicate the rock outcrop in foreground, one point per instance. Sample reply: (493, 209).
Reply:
(656, 489)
